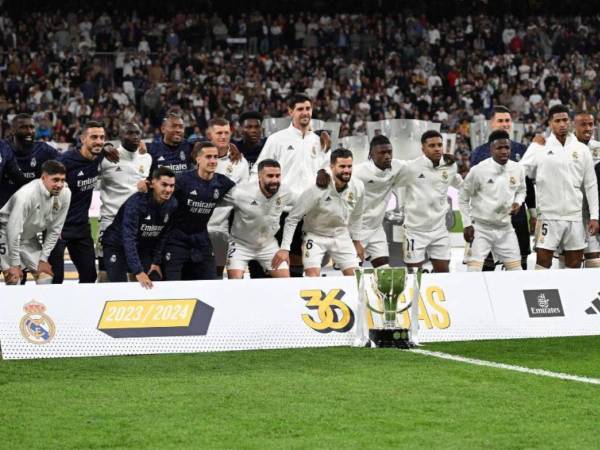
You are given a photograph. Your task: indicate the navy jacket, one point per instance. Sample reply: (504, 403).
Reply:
(82, 177)
(251, 153)
(516, 153)
(178, 159)
(140, 223)
(29, 163)
(197, 199)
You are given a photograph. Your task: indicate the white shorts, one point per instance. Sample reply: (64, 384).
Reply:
(502, 242)
(376, 245)
(554, 234)
(31, 251)
(220, 241)
(340, 248)
(419, 245)
(239, 255)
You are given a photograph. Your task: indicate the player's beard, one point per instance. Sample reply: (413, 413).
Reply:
(272, 188)
(344, 178)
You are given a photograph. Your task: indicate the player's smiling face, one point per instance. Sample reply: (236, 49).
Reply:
(584, 127)
(270, 180)
(342, 169)
(93, 139)
(301, 114)
(25, 131)
(172, 130)
(207, 159)
(163, 188)
(54, 183)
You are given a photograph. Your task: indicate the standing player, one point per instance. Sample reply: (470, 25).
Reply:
(301, 154)
(252, 141)
(118, 181)
(258, 207)
(38, 207)
(379, 175)
(219, 133)
(29, 155)
(134, 242)
(82, 174)
(502, 120)
(563, 171)
(188, 252)
(427, 179)
(492, 192)
(332, 220)
(172, 151)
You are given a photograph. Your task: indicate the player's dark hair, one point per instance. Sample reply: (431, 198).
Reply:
(499, 109)
(162, 172)
(199, 146)
(268, 163)
(91, 124)
(557, 109)
(53, 167)
(297, 98)
(498, 134)
(21, 116)
(172, 114)
(339, 153)
(218, 121)
(380, 139)
(249, 115)
(430, 134)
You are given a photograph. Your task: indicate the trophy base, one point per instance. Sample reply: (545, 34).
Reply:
(390, 338)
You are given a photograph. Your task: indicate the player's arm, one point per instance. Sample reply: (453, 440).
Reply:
(467, 190)
(457, 181)
(529, 161)
(355, 225)
(590, 186)
(13, 171)
(20, 209)
(55, 227)
(521, 191)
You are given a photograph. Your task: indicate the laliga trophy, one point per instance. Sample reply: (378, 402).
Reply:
(380, 291)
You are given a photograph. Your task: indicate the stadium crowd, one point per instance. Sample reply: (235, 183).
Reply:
(68, 68)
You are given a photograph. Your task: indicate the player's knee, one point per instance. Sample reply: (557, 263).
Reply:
(513, 265)
(474, 266)
(540, 267)
(592, 263)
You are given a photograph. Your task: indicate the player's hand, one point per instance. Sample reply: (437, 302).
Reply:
(469, 233)
(234, 153)
(155, 268)
(111, 153)
(514, 209)
(144, 280)
(45, 267)
(142, 150)
(532, 225)
(142, 186)
(280, 257)
(593, 227)
(360, 250)
(13, 275)
(449, 158)
(539, 139)
(325, 141)
(323, 179)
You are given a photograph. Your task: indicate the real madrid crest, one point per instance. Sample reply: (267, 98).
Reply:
(575, 155)
(444, 175)
(182, 155)
(278, 201)
(216, 194)
(314, 151)
(141, 169)
(33, 162)
(350, 196)
(55, 205)
(166, 219)
(36, 326)
(513, 181)
(229, 168)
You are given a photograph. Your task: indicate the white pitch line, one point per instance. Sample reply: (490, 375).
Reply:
(496, 365)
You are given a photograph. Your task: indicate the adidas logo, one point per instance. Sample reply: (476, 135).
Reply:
(490, 181)
(371, 181)
(162, 158)
(148, 217)
(290, 147)
(421, 176)
(193, 192)
(254, 203)
(595, 308)
(328, 199)
(80, 174)
(550, 153)
(118, 169)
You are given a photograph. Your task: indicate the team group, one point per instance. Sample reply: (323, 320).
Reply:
(186, 211)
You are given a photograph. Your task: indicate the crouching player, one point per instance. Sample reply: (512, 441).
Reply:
(39, 207)
(257, 207)
(492, 192)
(332, 220)
(134, 242)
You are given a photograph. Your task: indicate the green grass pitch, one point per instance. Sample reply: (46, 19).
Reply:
(307, 398)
